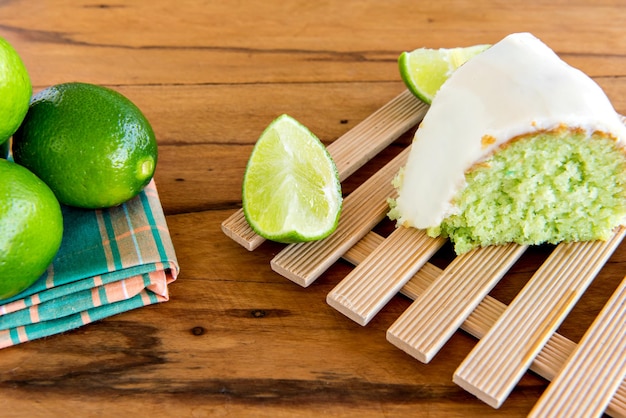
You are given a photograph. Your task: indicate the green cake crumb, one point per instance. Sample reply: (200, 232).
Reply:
(551, 187)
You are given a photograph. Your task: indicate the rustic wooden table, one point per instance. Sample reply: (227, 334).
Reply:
(236, 338)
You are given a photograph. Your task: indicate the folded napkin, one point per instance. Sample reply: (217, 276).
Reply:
(110, 261)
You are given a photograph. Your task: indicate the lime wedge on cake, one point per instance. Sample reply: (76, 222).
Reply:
(291, 189)
(424, 70)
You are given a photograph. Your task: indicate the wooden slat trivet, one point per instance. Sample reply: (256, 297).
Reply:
(499, 360)
(594, 372)
(350, 152)
(431, 320)
(365, 207)
(368, 288)
(545, 360)
(550, 360)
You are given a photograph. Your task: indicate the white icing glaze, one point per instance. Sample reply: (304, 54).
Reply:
(517, 86)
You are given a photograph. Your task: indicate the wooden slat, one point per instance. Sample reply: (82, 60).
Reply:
(594, 372)
(236, 227)
(363, 142)
(498, 361)
(350, 152)
(368, 288)
(365, 207)
(438, 313)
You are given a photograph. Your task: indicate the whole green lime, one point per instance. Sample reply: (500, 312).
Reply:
(15, 90)
(32, 228)
(90, 144)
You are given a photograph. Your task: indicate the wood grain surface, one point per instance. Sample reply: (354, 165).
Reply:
(237, 339)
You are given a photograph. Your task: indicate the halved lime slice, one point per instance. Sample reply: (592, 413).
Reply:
(291, 188)
(424, 70)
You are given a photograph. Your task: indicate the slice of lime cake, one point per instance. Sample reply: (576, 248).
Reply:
(517, 146)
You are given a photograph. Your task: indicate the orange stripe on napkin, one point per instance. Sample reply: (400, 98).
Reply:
(34, 314)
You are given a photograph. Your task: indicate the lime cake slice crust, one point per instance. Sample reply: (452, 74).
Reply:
(517, 146)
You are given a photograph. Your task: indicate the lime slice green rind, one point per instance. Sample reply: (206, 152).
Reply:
(421, 81)
(291, 190)
(424, 70)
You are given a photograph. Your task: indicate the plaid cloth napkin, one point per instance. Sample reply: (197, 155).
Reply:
(110, 261)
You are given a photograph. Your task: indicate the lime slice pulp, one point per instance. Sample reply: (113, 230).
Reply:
(424, 70)
(291, 189)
